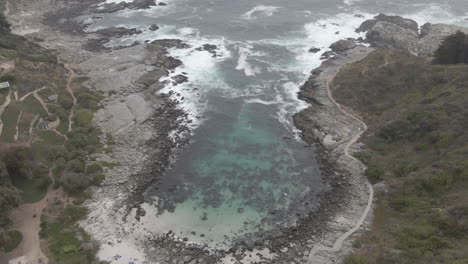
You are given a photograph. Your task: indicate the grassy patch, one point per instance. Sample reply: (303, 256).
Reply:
(32, 190)
(10, 119)
(11, 241)
(51, 137)
(32, 105)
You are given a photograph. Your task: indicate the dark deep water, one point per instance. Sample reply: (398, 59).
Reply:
(246, 170)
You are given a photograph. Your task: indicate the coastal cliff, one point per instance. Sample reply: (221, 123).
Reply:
(390, 39)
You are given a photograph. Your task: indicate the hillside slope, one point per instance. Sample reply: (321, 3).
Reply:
(417, 143)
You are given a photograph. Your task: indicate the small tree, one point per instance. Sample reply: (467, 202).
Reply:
(454, 49)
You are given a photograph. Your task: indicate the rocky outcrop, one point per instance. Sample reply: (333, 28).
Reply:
(404, 34)
(343, 45)
(114, 7)
(117, 32)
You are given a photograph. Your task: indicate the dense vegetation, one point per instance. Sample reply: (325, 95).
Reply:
(33, 160)
(453, 50)
(417, 143)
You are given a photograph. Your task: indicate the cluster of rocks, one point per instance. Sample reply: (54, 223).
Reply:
(210, 48)
(405, 34)
(395, 32)
(136, 4)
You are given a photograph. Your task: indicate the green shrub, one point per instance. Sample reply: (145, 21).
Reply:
(88, 101)
(74, 213)
(76, 182)
(9, 77)
(424, 237)
(355, 259)
(93, 168)
(11, 241)
(83, 118)
(65, 100)
(374, 174)
(365, 156)
(76, 166)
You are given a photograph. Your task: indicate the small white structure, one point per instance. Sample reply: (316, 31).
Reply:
(4, 85)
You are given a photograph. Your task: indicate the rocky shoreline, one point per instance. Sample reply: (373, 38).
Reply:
(140, 121)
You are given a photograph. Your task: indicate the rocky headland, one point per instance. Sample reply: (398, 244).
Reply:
(140, 120)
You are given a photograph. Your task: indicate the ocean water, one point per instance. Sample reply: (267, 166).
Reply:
(247, 170)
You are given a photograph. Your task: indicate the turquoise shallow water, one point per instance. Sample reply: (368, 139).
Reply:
(242, 174)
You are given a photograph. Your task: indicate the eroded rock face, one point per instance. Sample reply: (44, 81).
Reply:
(343, 45)
(404, 34)
(389, 35)
(399, 21)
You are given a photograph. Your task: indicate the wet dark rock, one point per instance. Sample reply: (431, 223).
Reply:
(154, 27)
(171, 43)
(314, 50)
(366, 25)
(327, 55)
(117, 32)
(152, 77)
(178, 79)
(342, 45)
(162, 4)
(141, 4)
(210, 48)
(110, 8)
(240, 210)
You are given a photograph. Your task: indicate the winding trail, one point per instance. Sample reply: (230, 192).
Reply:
(339, 242)
(2, 109)
(28, 94)
(70, 91)
(15, 138)
(43, 104)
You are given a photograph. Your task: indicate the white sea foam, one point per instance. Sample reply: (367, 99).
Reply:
(117, 1)
(350, 2)
(260, 10)
(434, 14)
(245, 52)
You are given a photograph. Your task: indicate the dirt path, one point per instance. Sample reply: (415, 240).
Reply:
(17, 127)
(27, 220)
(2, 109)
(339, 242)
(39, 98)
(32, 92)
(70, 91)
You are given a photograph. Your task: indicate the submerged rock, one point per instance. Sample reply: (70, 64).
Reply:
(178, 79)
(154, 27)
(314, 50)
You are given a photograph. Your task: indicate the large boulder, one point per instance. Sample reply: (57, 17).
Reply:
(389, 35)
(399, 21)
(343, 45)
